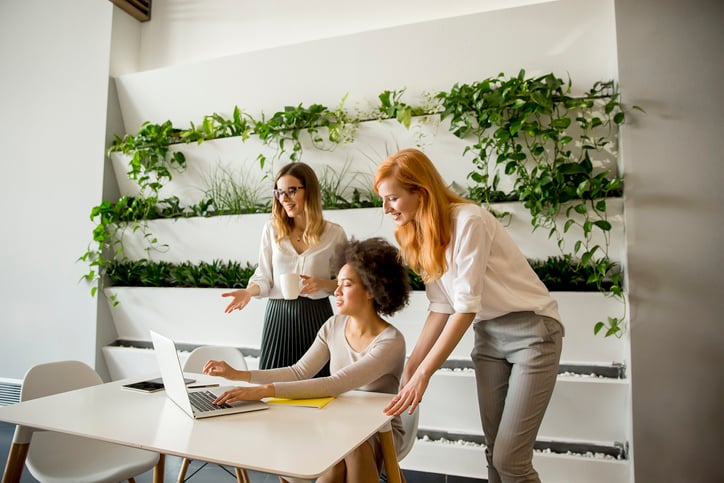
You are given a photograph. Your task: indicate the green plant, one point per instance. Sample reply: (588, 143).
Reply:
(229, 193)
(216, 126)
(286, 127)
(392, 107)
(151, 157)
(563, 273)
(113, 219)
(531, 132)
(215, 274)
(416, 282)
(337, 185)
(558, 273)
(544, 139)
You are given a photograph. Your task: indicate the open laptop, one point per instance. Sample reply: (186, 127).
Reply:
(196, 404)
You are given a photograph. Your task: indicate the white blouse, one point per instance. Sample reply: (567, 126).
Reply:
(487, 273)
(279, 258)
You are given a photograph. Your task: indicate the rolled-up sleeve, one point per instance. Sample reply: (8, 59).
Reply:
(438, 299)
(469, 258)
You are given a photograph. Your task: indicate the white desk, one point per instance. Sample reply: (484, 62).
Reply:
(291, 441)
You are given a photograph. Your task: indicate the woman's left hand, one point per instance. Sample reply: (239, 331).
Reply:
(309, 285)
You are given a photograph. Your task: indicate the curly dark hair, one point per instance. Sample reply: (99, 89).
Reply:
(379, 267)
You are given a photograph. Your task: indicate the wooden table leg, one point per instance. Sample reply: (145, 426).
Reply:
(159, 469)
(16, 462)
(389, 455)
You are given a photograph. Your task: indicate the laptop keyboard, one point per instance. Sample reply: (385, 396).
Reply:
(204, 401)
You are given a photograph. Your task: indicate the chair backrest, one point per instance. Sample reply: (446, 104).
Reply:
(409, 423)
(60, 457)
(199, 356)
(55, 377)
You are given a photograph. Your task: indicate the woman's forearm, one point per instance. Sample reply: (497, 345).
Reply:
(448, 338)
(432, 329)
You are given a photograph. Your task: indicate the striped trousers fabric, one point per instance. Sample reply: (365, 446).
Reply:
(516, 359)
(290, 327)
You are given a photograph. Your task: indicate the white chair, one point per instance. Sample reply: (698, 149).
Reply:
(409, 423)
(60, 458)
(195, 363)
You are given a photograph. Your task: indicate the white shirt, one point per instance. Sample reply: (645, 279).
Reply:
(487, 273)
(278, 258)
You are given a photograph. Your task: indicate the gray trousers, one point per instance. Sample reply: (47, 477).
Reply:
(516, 360)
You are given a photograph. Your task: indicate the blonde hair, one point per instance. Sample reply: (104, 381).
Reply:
(282, 223)
(423, 240)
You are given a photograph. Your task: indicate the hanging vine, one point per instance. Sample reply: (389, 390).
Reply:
(531, 132)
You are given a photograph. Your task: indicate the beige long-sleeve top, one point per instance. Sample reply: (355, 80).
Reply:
(377, 368)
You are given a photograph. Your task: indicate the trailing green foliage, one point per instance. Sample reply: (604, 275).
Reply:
(215, 126)
(545, 140)
(392, 107)
(533, 141)
(151, 156)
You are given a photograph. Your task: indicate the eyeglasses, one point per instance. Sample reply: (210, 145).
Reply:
(291, 192)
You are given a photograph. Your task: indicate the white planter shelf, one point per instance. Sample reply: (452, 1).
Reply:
(587, 411)
(455, 458)
(196, 316)
(236, 237)
(582, 409)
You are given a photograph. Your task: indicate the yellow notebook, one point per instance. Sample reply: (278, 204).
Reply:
(317, 402)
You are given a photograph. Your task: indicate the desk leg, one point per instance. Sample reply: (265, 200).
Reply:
(389, 455)
(16, 462)
(159, 469)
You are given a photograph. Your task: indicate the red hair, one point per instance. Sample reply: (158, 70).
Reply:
(423, 241)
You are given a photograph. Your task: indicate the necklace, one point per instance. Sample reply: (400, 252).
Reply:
(297, 234)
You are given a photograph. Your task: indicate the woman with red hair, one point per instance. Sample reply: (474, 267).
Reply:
(474, 274)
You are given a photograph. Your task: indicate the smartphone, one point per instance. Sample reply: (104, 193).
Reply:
(145, 386)
(151, 385)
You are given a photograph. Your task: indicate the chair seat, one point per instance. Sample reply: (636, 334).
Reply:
(56, 458)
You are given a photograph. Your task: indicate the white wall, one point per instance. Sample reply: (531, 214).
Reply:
(670, 62)
(191, 31)
(566, 37)
(54, 58)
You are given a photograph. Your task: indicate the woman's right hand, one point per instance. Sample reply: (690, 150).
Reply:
(240, 299)
(410, 395)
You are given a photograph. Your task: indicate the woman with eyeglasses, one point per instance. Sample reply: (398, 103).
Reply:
(297, 239)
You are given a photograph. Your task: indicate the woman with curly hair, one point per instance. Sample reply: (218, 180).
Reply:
(363, 350)
(297, 239)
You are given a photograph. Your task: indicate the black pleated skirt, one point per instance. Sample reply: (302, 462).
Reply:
(290, 327)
